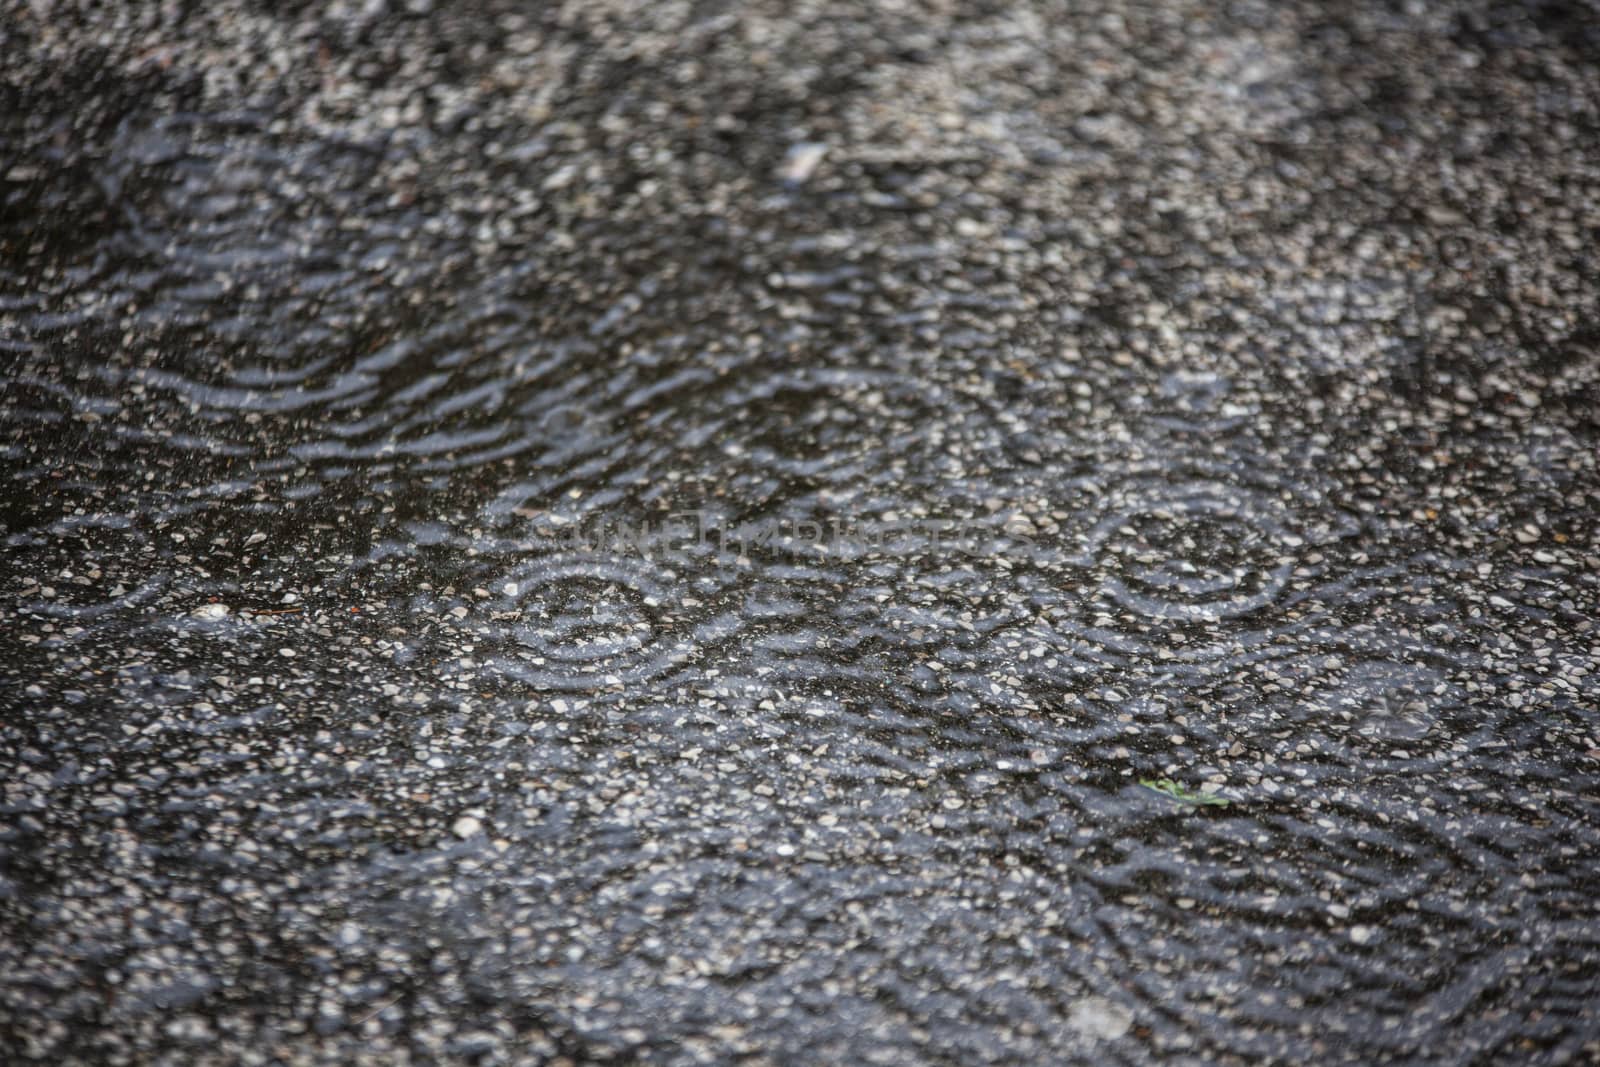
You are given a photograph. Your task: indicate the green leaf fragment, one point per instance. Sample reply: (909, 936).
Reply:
(1181, 793)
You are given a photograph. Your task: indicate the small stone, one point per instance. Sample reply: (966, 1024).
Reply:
(1101, 1018)
(467, 826)
(1020, 526)
(801, 162)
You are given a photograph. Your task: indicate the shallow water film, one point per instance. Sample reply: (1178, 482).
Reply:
(799, 533)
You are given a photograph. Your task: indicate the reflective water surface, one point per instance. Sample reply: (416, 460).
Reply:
(678, 533)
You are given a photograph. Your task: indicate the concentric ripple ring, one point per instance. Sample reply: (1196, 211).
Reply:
(580, 622)
(1198, 552)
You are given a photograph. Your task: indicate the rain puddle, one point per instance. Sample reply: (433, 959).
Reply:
(999, 539)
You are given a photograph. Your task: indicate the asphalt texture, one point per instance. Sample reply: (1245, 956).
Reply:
(799, 533)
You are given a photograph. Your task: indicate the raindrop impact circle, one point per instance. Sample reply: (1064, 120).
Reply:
(582, 622)
(1198, 552)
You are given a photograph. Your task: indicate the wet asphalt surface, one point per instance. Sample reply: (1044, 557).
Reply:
(772, 533)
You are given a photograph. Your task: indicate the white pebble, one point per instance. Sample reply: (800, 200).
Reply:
(802, 161)
(1099, 1017)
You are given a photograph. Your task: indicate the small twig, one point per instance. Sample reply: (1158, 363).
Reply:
(380, 1009)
